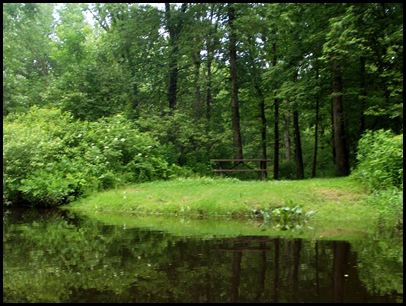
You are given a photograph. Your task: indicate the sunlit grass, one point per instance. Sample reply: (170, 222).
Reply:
(228, 197)
(339, 203)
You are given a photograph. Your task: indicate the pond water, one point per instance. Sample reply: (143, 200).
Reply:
(57, 256)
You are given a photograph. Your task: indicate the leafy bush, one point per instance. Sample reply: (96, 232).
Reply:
(50, 159)
(284, 218)
(287, 170)
(188, 145)
(389, 206)
(380, 160)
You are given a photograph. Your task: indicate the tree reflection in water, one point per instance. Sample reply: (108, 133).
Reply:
(54, 257)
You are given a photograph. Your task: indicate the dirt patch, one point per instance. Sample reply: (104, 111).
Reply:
(337, 195)
(131, 190)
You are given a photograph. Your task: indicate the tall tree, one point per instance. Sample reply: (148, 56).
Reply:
(89, 81)
(253, 39)
(276, 124)
(298, 144)
(27, 62)
(211, 41)
(316, 127)
(174, 23)
(340, 136)
(235, 109)
(231, 64)
(335, 55)
(296, 137)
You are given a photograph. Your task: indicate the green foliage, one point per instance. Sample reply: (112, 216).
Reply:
(389, 206)
(26, 54)
(287, 170)
(120, 65)
(380, 160)
(50, 159)
(86, 77)
(187, 145)
(382, 253)
(31, 143)
(380, 168)
(284, 218)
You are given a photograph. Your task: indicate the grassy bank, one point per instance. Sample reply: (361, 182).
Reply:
(339, 203)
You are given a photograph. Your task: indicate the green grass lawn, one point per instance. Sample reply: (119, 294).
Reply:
(339, 203)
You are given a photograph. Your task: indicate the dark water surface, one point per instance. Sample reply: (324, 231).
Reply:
(54, 256)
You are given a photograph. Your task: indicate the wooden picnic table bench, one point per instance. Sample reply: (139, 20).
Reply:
(240, 162)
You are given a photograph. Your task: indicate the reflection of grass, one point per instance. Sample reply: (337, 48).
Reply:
(215, 228)
(339, 202)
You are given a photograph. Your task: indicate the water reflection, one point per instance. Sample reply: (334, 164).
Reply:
(57, 257)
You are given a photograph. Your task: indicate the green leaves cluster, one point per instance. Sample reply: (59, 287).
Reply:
(50, 159)
(380, 168)
(125, 61)
(26, 54)
(285, 218)
(380, 160)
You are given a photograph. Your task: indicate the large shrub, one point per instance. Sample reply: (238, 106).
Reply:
(380, 160)
(380, 168)
(50, 159)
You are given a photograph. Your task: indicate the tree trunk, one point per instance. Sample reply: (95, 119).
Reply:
(316, 129)
(198, 106)
(316, 138)
(263, 136)
(340, 140)
(298, 145)
(296, 136)
(362, 95)
(235, 109)
(263, 164)
(173, 79)
(174, 31)
(257, 86)
(210, 48)
(263, 127)
(333, 151)
(276, 140)
(286, 137)
(208, 90)
(276, 126)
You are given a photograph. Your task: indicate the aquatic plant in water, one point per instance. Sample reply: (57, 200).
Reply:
(284, 218)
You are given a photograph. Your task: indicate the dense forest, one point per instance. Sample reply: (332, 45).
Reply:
(176, 85)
